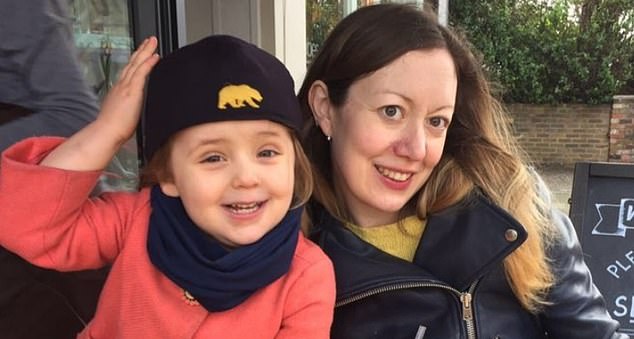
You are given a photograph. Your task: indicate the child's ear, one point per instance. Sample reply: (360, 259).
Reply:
(319, 103)
(169, 188)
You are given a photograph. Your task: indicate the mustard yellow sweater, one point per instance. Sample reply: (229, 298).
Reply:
(398, 240)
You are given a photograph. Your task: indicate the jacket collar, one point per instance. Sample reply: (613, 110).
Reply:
(459, 245)
(463, 242)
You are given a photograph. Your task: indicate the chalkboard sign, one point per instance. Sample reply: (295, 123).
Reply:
(602, 210)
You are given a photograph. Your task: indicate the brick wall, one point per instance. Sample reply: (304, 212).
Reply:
(562, 134)
(622, 129)
(565, 134)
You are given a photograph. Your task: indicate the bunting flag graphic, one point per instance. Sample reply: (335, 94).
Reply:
(615, 219)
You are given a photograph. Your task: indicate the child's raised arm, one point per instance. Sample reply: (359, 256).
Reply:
(93, 147)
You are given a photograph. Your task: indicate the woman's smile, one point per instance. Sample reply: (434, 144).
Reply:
(396, 175)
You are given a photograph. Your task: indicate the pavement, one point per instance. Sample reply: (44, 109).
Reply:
(559, 180)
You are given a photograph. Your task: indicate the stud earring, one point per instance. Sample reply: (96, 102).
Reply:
(328, 138)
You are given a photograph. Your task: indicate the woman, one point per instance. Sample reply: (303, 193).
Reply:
(435, 224)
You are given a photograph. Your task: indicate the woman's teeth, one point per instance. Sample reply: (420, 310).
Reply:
(394, 175)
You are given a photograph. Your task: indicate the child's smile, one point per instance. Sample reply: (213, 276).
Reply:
(245, 208)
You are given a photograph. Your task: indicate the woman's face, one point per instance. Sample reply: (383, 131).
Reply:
(389, 134)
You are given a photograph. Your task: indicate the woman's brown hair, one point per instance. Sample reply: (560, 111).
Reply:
(480, 150)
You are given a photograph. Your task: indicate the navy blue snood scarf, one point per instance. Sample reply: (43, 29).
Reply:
(218, 278)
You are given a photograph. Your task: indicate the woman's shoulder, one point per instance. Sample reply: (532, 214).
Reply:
(564, 237)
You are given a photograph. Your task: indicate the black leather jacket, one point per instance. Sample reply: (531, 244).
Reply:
(456, 286)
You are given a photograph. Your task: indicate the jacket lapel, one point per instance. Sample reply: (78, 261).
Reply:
(358, 265)
(463, 242)
(459, 245)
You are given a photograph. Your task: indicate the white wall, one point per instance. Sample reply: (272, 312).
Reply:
(277, 26)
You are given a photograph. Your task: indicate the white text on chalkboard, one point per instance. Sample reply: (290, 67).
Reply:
(618, 268)
(624, 307)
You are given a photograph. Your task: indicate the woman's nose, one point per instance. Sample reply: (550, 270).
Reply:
(412, 143)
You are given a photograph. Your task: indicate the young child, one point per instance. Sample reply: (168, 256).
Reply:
(211, 245)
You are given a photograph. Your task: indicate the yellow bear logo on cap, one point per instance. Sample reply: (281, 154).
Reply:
(238, 96)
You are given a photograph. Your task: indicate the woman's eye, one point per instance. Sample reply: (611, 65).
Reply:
(213, 158)
(392, 112)
(267, 153)
(438, 122)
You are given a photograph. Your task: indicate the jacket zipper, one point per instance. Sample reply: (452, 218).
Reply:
(466, 299)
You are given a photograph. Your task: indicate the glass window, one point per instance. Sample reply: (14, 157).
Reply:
(103, 38)
(323, 15)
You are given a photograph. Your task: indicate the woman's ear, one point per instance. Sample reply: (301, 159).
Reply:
(169, 188)
(319, 102)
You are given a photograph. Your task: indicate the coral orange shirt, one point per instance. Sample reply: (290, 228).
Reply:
(47, 217)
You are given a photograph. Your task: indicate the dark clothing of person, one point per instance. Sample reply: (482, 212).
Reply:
(456, 287)
(39, 71)
(37, 303)
(42, 92)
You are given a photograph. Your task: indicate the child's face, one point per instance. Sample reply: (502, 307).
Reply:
(235, 178)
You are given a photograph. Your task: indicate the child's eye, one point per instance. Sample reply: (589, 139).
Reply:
(438, 122)
(268, 153)
(392, 112)
(213, 158)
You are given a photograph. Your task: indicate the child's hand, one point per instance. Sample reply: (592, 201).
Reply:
(93, 146)
(121, 109)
